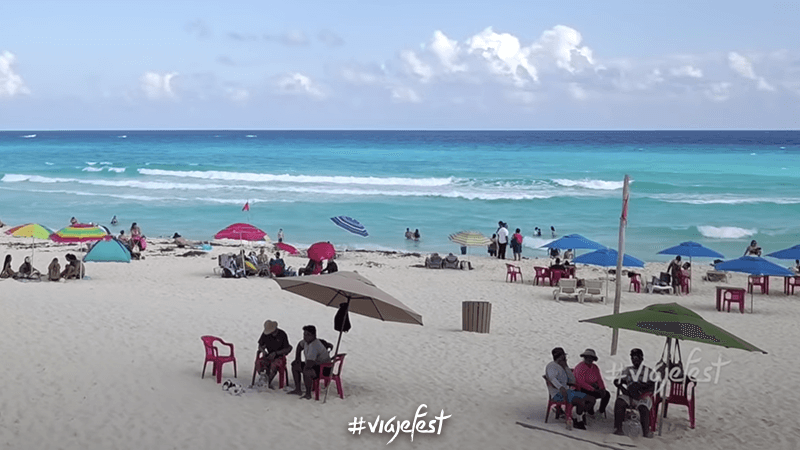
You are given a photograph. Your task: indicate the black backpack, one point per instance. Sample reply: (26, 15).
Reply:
(341, 322)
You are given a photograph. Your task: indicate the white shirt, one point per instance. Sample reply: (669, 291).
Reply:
(502, 235)
(558, 377)
(315, 351)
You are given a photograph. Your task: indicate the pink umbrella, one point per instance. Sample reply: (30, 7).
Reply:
(242, 232)
(320, 251)
(287, 248)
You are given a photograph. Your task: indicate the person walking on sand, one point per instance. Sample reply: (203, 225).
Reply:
(502, 240)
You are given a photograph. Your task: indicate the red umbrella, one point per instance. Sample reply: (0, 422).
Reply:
(287, 248)
(242, 232)
(321, 250)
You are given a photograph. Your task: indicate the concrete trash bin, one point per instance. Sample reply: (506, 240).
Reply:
(476, 316)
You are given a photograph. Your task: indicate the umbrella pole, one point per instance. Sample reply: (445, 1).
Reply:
(336, 352)
(666, 378)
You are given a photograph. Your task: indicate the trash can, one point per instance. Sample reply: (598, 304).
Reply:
(476, 316)
(463, 249)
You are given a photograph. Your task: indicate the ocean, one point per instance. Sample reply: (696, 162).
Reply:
(719, 188)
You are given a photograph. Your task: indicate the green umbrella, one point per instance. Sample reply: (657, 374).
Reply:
(674, 321)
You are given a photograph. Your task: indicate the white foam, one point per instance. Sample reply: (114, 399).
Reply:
(116, 169)
(92, 169)
(591, 184)
(725, 232)
(722, 199)
(286, 178)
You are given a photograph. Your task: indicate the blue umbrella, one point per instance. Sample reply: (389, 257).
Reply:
(574, 241)
(607, 257)
(787, 253)
(690, 249)
(753, 265)
(351, 225)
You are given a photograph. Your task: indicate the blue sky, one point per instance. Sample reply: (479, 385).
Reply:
(399, 65)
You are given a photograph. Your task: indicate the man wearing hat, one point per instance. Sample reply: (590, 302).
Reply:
(272, 345)
(560, 381)
(589, 380)
(636, 386)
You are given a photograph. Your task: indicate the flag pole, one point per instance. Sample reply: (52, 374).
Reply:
(623, 221)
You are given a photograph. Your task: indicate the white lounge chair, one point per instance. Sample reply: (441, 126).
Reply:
(568, 287)
(594, 288)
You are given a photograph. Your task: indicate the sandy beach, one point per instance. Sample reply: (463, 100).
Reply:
(114, 361)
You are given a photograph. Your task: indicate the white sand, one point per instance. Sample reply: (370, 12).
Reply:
(114, 362)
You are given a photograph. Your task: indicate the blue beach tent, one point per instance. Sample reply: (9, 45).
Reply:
(108, 249)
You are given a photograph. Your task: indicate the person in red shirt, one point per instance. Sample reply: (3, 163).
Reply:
(589, 380)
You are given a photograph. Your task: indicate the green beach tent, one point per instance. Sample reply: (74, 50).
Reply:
(109, 249)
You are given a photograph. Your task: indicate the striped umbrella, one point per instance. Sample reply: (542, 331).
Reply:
(31, 230)
(78, 233)
(351, 225)
(470, 239)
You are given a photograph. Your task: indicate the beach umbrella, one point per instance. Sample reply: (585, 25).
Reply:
(574, 241)
(242, 232)
(787, 253)
(470, 239)
(753, 265)
(359, 294)
(79, 233)
(320, 251)
(691, 249)
(286, 247)
(674, 322)
(607, 257)
(351, 225)
(31, 230)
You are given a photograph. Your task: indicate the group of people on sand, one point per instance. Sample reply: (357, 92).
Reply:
(73, 270)
(135, 241)
(583, 386)
(412, 235)
(274, 346)
(500, 240)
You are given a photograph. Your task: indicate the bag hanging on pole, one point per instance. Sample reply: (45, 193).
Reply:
(341, 322)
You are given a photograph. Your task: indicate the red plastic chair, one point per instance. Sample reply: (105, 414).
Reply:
(569, 271)
(212, 356)
(512, 271)
(276, 270)
(283, 373)
(636, 283)
(555, 276)
(681, 393)
(754, 280)
(653, 410)
(542, 273)
(733, 297)
(334, 373)
(567, 407)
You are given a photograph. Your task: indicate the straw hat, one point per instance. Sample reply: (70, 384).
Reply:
(590, 353)
(270, 326)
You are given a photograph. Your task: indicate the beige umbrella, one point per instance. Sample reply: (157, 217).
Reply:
(360, 295)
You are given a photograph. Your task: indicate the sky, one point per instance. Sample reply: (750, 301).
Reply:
(500, 64)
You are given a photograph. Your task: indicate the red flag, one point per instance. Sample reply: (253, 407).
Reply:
(246, 207)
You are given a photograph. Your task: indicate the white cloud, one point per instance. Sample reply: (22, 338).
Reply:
(741, 65)
(577, 92)
(504, 54)
(157, 86)
(686, 71)
(403, 94)
(562, 44)
(236, 94)
(11, 84)
(718, 91)
(447, 50)
(415, 66)
(299, 84)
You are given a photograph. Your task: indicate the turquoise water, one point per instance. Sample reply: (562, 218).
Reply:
(718, 188)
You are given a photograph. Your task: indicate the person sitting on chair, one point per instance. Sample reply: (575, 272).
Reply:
(557, 265)
(589, 380)
(561, 382)
(309, 268)
(331, 267)
(315, 353)
(554, 252)
(54, 270)
(272, 345)
(634, 385)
